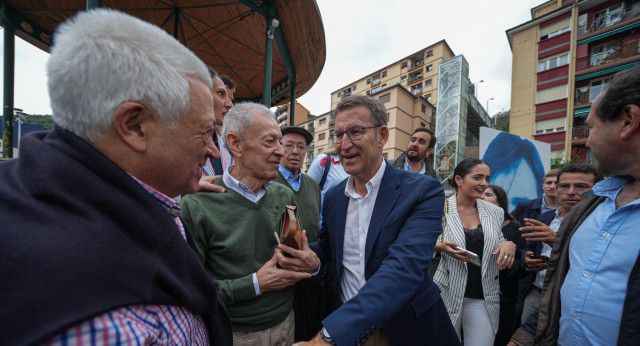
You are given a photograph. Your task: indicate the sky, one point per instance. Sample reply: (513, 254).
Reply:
(363, 36)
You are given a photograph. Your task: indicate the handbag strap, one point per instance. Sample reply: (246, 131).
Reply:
(444, 219)
(327, 167)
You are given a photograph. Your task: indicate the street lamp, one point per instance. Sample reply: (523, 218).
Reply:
(491, 99)
(20, 116)
(475, 87)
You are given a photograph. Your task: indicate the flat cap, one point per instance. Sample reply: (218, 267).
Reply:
(298, 130)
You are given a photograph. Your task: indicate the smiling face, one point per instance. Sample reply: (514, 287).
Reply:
(571, 187)
(262, 150)
(418, 147)
(221, 101)
(360, 158)
(186, 148)
(294, 146)
(475, 182)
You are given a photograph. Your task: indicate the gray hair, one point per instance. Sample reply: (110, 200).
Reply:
(240, 118)
(104, 58)
(379, 115)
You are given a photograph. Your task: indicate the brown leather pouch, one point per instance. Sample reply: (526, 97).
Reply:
(290, 232)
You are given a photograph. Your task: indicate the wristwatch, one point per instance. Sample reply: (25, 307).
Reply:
(324, 334)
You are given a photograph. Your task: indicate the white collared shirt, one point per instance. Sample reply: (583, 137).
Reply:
(546, 249)
(356, 229)
(237, 186)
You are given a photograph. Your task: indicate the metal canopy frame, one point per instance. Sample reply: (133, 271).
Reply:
(16, 23)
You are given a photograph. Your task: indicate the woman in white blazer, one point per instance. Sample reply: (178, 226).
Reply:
(469, 291)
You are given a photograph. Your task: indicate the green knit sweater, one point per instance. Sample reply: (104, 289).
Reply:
(308, 202)
(234, 238)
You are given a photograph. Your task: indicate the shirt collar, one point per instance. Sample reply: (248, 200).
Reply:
(237, 185)
(407, 166)
(372, 184)
(611, 187)
(287, 174)
(169, 203)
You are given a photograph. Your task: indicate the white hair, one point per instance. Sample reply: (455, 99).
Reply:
(104, 58)
(239, 118)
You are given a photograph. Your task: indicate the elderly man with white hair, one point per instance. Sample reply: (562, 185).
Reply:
(92, 248)
(234, 231)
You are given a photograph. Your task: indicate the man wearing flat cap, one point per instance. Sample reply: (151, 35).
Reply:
(307, 193)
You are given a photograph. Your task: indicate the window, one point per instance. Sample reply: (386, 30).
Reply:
(384, 74)
(415, 76)
(608, 17)
(347, 92)
(416, 61)
(403, 79)
(354, 88)
(555, 29)
(429, 53)
(427, 83)
(553, 62)
(368, 80)
(322, 121)
(404, 65)
(424, 109)
(368, 92)
(375, 90)
(416, 89)
(375, 80)
(423, 124)
(428, 97)
(385, 98)
(429, 68)
(601, 52)
(321, 136)
(597, 86)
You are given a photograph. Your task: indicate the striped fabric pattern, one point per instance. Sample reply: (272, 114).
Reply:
(141, 324)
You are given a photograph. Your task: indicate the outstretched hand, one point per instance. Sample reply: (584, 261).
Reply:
(539, 231)
(304, 260)
(272, 278)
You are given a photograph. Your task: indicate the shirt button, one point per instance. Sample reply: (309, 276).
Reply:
(606, 234)
(575, 315)
(586, 274)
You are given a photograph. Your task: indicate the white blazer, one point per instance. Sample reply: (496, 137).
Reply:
(451, 276)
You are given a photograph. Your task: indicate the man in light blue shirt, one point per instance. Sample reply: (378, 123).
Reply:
(591, 292)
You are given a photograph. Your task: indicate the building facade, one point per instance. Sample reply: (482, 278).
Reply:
(406, 112)
(283, 114)
(562, 59)
(418, 73)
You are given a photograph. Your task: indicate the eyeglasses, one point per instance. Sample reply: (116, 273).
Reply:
(354, 134)
(290, 146)
(579, 188)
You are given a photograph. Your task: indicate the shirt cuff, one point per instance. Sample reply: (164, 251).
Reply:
(256, 285)
(313, 273)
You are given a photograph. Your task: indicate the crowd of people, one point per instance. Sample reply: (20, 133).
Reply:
(151, 214)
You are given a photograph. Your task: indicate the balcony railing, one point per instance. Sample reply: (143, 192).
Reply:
(581, 131)
(615, 17)
(608, 56)
(582, 97)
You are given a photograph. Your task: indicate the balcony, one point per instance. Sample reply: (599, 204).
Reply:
(580, 132)
(582, 97)
(312, 130)
(608, 56)
(609, 19)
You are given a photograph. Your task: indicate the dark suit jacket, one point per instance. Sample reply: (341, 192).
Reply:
(528, 209)
(398, 294)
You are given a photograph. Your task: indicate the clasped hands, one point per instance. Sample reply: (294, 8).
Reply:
(290, 270)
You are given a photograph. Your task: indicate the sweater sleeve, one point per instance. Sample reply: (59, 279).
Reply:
(237, 290)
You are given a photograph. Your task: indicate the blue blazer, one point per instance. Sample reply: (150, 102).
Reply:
(399, 294)
(530, 209)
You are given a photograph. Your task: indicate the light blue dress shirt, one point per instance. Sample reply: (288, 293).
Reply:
(295, 183)
(408, 168)
(602, 253)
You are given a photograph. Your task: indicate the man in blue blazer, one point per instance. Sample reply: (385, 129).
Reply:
(379, 231)
(531, 209)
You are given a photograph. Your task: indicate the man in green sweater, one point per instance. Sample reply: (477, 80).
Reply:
(234, 231)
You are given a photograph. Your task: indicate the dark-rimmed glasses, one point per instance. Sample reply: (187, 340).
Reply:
(354, 134)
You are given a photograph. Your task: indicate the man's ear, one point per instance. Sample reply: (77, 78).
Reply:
(630, 118)
(384, 136)
(131, 122)
(234, 142)
(429, 152)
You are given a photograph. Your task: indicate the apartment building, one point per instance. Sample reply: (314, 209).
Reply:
(283, 114)
(562, 59)
(406, 112)
(417, 72)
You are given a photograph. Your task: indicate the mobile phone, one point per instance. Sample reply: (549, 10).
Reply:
(473, 257)
(545, 259)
